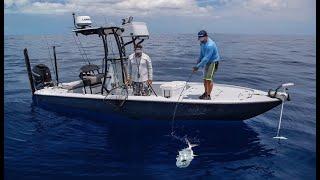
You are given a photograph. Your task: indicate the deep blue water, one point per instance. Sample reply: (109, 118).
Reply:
(42, 144)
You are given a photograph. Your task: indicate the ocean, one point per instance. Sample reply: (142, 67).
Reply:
(44, 144)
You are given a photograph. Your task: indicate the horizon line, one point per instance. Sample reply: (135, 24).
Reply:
(186, 33)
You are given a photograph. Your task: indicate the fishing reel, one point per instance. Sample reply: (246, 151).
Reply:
(283, 95)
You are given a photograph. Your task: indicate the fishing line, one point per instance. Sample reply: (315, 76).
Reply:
(79, 49)
(175, 109)
(83, 50)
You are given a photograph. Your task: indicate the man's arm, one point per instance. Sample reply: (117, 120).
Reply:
(150, 69)
(208, 53)
(198, 60)
(200, 57)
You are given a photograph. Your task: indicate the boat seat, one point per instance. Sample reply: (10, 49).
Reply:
(94, 79)
(89, 68)
(90, 75)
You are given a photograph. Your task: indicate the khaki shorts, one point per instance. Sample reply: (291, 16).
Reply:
(209, 71)
(140, 89)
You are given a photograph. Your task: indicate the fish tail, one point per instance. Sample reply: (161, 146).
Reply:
(189, 144)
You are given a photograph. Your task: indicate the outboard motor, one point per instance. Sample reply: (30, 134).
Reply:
(42, 76)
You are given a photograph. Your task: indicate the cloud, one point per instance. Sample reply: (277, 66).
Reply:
(9, 3)
(217, 9)
(110, 7)
(266, 5)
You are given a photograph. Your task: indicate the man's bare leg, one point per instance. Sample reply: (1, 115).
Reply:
(210, 86)
(205, 86)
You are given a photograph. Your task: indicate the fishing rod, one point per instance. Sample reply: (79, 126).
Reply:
(49, 53)
(149, 85)
(79, 48)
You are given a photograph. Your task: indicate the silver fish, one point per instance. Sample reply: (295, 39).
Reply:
(185, 156)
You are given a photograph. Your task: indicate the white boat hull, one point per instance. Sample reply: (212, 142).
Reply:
(232, 103)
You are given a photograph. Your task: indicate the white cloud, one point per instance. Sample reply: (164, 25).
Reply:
(46, 8)
(112, 7)
(217, 9)
(15, 2)
(269, 5)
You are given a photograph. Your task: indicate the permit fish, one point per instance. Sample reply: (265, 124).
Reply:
(185, 155)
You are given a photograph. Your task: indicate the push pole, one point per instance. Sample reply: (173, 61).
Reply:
(26, 58)
(55, 64)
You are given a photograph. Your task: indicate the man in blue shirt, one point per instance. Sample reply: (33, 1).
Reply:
(209, 60)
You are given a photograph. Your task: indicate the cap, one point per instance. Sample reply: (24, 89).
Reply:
(202, 33)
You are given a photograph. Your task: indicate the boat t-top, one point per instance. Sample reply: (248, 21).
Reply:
(102, 88)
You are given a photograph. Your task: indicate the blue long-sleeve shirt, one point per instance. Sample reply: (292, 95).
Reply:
(208, 53)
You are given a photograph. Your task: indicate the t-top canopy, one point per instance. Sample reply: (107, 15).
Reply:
(99, 30)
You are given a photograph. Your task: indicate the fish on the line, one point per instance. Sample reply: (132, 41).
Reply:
(186, 155)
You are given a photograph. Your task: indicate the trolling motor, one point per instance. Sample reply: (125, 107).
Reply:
(283, 96)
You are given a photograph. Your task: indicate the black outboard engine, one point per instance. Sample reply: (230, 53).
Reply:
(42, 76)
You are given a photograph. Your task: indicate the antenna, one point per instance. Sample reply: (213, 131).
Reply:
(105, 20)
(127, 20)
(81, 22)
(74, 20)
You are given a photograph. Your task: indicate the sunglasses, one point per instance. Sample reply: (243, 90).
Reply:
(201, 38)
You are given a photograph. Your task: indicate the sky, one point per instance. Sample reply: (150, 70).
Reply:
(290, 17)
